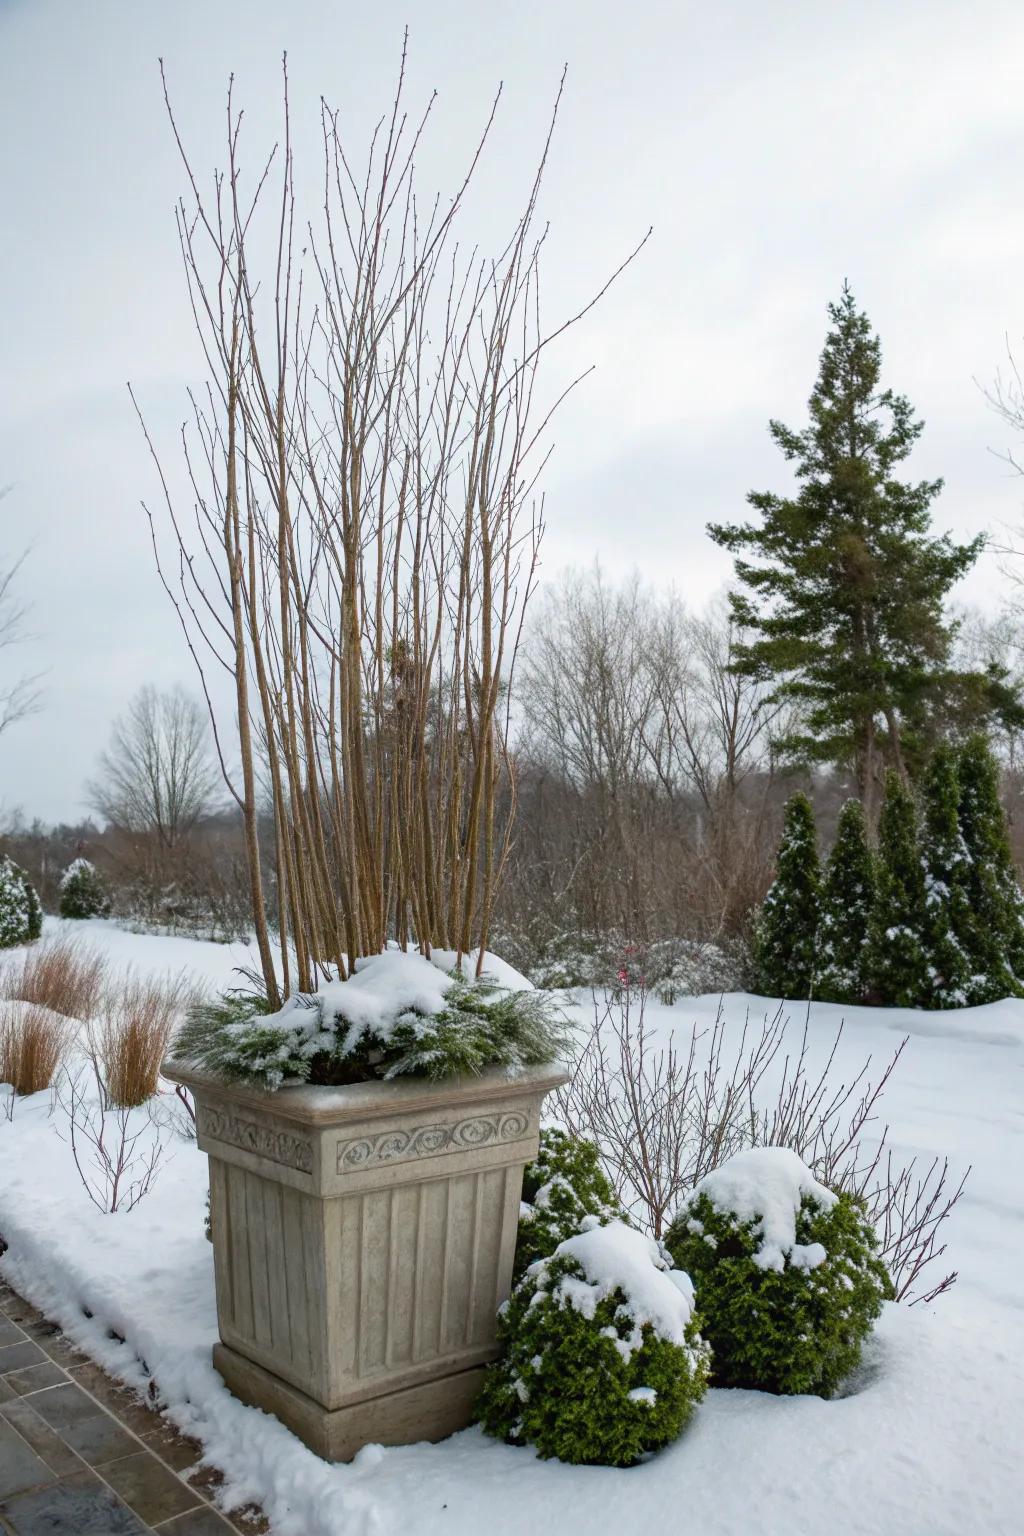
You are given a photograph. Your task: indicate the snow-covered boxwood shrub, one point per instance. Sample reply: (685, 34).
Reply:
(603, 1361)
(787, 1273)
(397, 1014)
(564, 1184)
(82, 893)
(21, 917)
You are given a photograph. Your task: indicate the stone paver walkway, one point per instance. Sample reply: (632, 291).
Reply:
(82, 1456)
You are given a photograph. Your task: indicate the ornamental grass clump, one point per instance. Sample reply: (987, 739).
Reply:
(603, 1362)
(563, 1186)
(398, 1014)
(33, 1043)
(787, 1272)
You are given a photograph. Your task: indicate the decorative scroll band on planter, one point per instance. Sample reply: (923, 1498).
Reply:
(430, 1140)
(282, 1147)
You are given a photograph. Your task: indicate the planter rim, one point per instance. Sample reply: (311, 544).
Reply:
(314, 1105)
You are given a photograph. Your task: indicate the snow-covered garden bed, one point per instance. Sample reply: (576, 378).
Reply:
(922, 1441)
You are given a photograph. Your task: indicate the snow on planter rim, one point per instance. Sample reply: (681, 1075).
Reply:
(766, 1185)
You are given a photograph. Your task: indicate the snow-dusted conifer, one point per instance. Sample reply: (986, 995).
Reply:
(847, 899)
(15, 906)
(995, 903)
(898, 953)
(787, 922)
(81, 891)
(946, 870)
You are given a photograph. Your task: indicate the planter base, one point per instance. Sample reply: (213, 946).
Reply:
(430, 1411)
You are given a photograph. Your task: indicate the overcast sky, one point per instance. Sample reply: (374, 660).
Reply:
(775, 149)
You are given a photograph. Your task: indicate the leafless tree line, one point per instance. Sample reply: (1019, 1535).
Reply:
(649, 791)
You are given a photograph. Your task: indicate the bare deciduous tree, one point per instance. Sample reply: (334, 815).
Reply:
(157, 776)
(364, 460)
(20, 694)
(657, 750)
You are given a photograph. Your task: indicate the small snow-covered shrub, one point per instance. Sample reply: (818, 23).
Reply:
(397, 1014)
(787, 1272)
(564, 1184)
(82, 893)
(603, 1362)
(16, 908)
(667, 968)
(35, 910)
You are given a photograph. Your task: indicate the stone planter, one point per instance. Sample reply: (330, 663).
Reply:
(363, 1242)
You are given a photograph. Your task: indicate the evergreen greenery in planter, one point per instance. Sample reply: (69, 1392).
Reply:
(847, 900)
(603, 1362)
(787, 924)
(562, 1186)
(398, 1014)
(786, 1271)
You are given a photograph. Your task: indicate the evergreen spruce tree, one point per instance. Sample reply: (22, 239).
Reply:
(82, 893)
(15, 908)
(946, 868)
(847, 901)
(787, 922)
(843, 583)
(35, 907)
(898, 961)
(996, 908)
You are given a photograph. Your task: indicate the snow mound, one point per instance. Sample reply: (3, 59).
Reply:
(766, 1184)
(382, 988)
(494, 968)
(617, 1257)
(385, 987)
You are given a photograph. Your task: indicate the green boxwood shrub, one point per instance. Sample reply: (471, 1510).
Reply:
(564, 1184)
(787, 1273)
(603, 1362)
(82, 893)
(21, 916)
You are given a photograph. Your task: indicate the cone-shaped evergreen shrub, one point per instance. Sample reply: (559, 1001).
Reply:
(35, 908)
(787, 1273)
(847, 900)
(564, 1184)
(786, 925)
(946, 870)
(82, 893)
(993, 893)
(900, 969)
(602, 1359)
(21, 916)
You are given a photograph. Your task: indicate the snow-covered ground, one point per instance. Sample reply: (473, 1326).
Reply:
(927, 1442)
